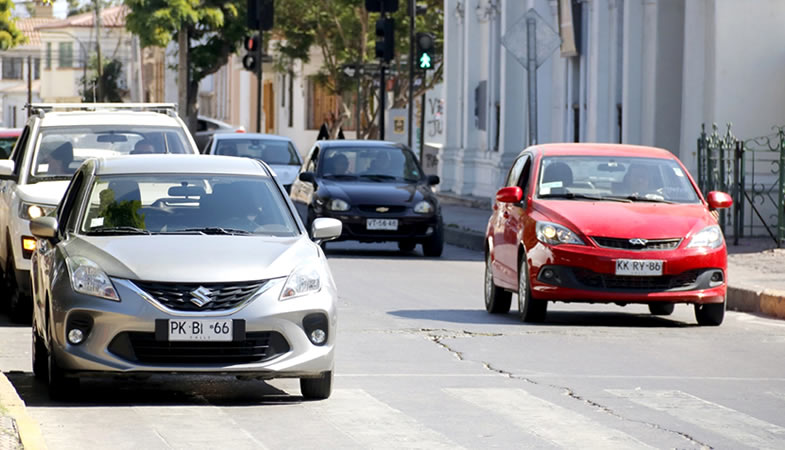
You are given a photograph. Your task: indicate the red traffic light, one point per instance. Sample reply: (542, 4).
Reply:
(251, 43)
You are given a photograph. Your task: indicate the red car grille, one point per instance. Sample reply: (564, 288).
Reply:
(652, 244)
(656, 283)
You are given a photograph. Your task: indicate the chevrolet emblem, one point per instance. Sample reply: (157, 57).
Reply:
(201, 296)
(382, 209)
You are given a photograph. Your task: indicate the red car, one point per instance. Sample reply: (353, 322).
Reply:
(604, 223)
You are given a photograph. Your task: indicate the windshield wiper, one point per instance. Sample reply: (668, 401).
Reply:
(217, 230)
(378, 176)
(572, 195)
(52, 178)
(643, 198)
(118, 230)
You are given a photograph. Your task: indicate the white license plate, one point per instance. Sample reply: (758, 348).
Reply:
(381, 224)
(220, 330)
(639, 267)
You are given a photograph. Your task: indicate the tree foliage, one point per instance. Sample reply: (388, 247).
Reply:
(343, 32)
(10, 36)
(110, 86)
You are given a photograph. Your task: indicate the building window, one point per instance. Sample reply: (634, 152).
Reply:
(65, 57)
(48, 55)
(37, 68)
(12, 68)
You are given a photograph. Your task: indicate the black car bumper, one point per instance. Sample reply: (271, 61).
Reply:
(410, 227)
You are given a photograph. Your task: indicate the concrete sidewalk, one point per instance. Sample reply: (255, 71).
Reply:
(756, 268)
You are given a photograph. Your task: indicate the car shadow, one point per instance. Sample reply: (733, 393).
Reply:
(158, 390)
(6, 322)
(553, 319)
(345, 250)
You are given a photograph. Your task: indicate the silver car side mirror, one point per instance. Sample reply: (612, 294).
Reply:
(44, 227)
(326, 229)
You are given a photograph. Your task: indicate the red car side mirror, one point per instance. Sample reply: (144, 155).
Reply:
(510, 194)
(719, 200)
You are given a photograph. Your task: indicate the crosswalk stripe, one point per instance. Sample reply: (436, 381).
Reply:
(374, 424)
(546, 420)
(711, 416)
(779, 395)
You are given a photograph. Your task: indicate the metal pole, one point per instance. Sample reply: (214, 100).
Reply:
(781, 204)
(737, 192)
(411, 69)
(259, 70)
(359, 73)
(100, 85)
(422, 128)
(531, 68)
(29, 84)
(381, 102)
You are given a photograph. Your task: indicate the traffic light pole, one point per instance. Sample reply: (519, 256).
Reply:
(411, 68)
(382, 87)
(259, 73)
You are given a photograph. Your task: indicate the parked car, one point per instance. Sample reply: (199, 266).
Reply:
(8, 138)
(604, 223)
(207, 127)
(376, 189)
(185, 264)
(278, 152)
(55, 141)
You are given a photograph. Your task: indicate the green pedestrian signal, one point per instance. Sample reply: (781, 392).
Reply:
(425, 44)
(425, 61)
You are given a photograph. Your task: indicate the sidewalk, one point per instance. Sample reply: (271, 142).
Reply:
(756, 268)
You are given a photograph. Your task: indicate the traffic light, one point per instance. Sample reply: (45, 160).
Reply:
(251, 43)
(385, 45)
(425, 43)
(390, 6)
(260, 14)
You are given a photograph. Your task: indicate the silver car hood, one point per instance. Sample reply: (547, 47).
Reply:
(286, 174)
(194, 258)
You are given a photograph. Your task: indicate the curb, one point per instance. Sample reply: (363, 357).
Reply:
(464, 238)
(27, 430)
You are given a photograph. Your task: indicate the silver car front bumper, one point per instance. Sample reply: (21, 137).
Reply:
(135, 315)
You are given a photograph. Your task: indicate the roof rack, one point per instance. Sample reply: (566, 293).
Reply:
(42, 108)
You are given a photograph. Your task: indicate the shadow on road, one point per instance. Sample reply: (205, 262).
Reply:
(6, 321)
(158, 390)
(346, 250)
(554, 318)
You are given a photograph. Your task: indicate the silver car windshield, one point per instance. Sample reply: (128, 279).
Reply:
(61, 150)
(271, 151)
(614, 178)
(186, 204)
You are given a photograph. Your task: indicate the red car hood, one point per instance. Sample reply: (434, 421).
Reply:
(627, 220)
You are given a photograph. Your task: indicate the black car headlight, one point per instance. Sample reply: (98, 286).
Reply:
(337, 204)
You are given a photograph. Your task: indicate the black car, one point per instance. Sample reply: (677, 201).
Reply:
(376, 188)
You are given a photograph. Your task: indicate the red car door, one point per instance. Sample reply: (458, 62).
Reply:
(510, 220)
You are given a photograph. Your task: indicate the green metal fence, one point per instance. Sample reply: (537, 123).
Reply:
(753, 172)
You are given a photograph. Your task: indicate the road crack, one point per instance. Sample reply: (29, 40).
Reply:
(438, 337)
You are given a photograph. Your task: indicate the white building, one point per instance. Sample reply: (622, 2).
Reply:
(646, 72)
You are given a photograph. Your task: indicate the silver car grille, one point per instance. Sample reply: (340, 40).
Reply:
(200, 296)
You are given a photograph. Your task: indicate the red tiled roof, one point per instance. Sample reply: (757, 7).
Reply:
(112, 17)
(29, 27)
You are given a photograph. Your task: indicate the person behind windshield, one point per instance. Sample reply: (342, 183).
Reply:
(639, 182)
(143, 147)
(60, 158)
(380, 165)
(338, 164)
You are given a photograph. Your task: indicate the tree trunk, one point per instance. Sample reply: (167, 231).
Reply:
(183, 80)
(191, 108)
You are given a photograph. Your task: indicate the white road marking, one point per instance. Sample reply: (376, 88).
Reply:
(727, 422)
(547, 421)
(778, 395)
(373, 424)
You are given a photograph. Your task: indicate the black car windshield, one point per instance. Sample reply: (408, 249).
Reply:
(615, 178)
(379, 164)
(271, 151)
(61, 150)
(186, 204)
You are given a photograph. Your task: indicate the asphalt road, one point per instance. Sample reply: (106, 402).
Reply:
(420, 364)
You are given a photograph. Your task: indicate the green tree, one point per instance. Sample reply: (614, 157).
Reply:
(10, 36)
(207, 31)
(111, 75)
(344, 32)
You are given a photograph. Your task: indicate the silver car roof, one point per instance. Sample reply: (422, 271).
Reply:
(176, 164)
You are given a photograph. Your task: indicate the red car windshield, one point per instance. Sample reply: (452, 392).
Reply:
(615, 178)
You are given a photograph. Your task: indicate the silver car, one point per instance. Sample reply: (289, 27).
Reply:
(181, 264)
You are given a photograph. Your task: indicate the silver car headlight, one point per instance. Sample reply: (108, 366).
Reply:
(87, 278)
(423, 207)
(29, 211)
(709, 237)
(304, 280)
(337, 204)
(555, 234)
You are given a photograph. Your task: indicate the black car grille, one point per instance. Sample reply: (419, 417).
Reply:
(144, 348)
(652, 244)
(596, 280)
(178, 296)
(391, 209)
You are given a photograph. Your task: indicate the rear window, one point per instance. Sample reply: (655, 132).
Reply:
(271, 151)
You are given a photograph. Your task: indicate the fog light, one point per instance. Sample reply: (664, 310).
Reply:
(547, 274)
(716, 276)
(75, 336)
(429, 230)
(318, 336)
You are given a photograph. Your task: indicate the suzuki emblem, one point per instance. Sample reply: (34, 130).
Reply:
(382, 209)
(201, 296)
(638, 241)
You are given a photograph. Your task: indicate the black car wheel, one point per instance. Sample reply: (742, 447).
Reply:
(661, 308)
(434, 245)
(710, 314)
(530, 309)
(317, 388)
(497, 300)
(60, 386)
(40, 358)
(406, 246)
